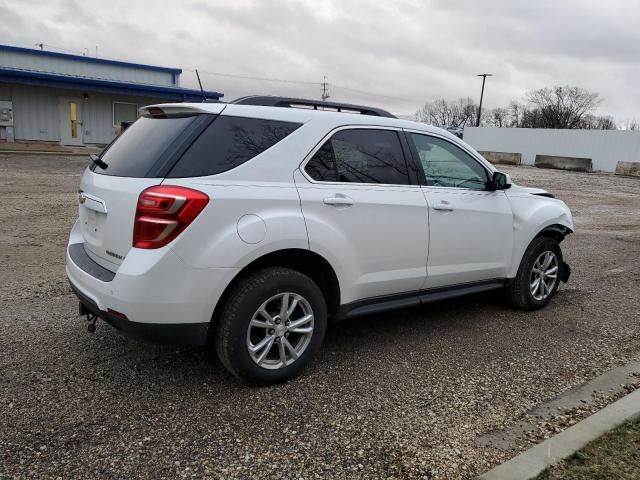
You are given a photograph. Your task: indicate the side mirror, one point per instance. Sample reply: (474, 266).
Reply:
(500, 181)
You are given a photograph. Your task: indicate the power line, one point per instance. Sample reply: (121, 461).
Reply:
(324, 85)
(249, 77)
(378, 94)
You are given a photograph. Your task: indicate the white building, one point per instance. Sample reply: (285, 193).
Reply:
(76, 100)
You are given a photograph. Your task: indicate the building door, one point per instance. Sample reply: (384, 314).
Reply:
(70, 121)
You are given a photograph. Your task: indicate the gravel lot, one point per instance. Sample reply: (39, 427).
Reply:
(399, 395)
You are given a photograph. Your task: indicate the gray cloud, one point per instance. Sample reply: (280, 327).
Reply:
(400, 53)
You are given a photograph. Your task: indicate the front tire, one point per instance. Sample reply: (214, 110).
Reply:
(538, 276)
(271, 325)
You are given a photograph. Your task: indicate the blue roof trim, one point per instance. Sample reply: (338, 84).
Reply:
(103, 61)
(8, 75)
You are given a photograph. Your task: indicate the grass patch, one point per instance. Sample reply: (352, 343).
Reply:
(614, 456)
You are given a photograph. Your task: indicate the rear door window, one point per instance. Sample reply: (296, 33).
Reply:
(229, 142)
(137, 150)
(361, 155)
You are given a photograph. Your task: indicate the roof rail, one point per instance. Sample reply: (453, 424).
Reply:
(289, 102)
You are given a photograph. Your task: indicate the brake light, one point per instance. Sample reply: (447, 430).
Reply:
(163, 213)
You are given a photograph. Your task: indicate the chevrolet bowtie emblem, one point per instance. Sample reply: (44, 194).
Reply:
(81, 197)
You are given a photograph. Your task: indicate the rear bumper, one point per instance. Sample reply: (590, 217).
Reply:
(194, 334)
(163, 298)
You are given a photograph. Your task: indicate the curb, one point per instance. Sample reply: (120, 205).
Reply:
(531, 463)
(46, 152)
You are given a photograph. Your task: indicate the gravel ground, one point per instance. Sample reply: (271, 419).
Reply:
(401, 395)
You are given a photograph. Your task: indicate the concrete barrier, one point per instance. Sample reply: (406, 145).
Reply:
(628, 168)
(503, 158)
(564, 163)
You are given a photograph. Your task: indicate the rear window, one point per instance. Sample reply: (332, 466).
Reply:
(141, 146)
(229, 142)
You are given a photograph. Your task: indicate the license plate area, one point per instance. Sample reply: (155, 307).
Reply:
(92, 223)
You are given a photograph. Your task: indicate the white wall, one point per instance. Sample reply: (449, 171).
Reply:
(605, 147)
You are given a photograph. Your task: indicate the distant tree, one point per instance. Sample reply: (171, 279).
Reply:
(630, 125)
(560, 107)
(595, 122)
(516, 111)
(499, 117)
(444, 113)
(556, 107)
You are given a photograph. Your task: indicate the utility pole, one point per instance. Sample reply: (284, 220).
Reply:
(325, 89)
(484, 78)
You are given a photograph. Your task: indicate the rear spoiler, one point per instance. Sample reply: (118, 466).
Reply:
(166, 110)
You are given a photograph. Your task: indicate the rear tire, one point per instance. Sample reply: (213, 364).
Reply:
(260, 341)
(538, 276)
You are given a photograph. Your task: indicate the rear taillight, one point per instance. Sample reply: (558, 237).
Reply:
(163, 212)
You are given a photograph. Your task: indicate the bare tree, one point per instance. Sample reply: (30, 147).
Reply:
(630, 125)
(560, 107)
(557, 107)
(595, 122)
(516, 112)
(444, 113)
(499, 117)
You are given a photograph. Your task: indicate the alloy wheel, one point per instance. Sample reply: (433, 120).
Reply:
(280, 331)
(544, 275)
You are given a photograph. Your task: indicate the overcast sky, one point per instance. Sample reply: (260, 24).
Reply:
(396, 54)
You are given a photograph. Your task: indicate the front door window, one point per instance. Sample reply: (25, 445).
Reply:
(446, 165)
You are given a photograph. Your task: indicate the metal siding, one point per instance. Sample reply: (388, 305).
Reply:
(73, 67)
(48, 80)
(5, 92)
(98, 119)
(36, 113)
(605, 147)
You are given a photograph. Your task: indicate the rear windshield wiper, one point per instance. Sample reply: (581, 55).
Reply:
(98, 161)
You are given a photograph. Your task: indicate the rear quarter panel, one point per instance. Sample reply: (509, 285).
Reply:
(213, 240)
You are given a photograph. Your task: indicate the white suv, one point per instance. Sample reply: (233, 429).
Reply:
(246, 226)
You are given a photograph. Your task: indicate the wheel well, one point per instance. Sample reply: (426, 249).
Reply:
(304, 261)
(557, 232)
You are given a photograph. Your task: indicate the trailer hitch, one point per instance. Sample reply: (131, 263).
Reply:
(89, 316)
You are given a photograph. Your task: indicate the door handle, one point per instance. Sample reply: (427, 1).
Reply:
(338, 200)
(444, 206)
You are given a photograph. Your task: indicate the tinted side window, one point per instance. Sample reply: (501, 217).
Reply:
(446, 165)
(322, 167)
(361, 156)
(229, 142)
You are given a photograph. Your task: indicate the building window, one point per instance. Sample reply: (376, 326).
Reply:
(124, 113)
